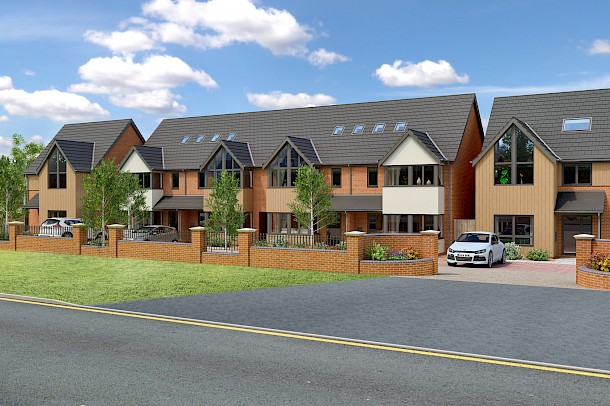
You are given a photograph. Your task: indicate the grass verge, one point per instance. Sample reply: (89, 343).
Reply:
(91, 280)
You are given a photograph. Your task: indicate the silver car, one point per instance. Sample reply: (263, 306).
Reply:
(58, 227)
(153, 233)
(476, 247)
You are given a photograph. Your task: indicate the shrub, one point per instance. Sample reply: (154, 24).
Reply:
(321, 246)
(300, 245)
(396, 256)
(513, 251)
(410, 253)
(599, 261)
(537, 255)
(342, 245)
(261, 243)
(279, 242)
(216, 242)
(378, 252)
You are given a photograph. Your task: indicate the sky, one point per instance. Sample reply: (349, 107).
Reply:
(67, 61)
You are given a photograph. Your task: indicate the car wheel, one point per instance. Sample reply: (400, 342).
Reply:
(504, 256)
(174, 240)
(490, 259)
(67, 234)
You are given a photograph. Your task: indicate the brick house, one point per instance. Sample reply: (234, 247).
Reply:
(55, 178)
(395, 166)
(544, 171)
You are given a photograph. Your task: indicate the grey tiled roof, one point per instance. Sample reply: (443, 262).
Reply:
(427, 141)
(102, 133)
(545, 113)
(443, 118)
(32, 203)
(357, 202)
(306, 148)
(241, 151)
(152, 156)
(78, 154)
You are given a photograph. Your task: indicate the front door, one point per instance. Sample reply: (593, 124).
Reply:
(573, 225)
(173, 219)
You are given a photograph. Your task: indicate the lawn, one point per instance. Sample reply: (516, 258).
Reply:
(91, 280)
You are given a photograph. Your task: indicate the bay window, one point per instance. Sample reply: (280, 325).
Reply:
(414, 175)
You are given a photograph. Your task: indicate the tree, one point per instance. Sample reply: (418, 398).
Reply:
(13, 187)
(111, 196)
(227, 214)
(312, 206)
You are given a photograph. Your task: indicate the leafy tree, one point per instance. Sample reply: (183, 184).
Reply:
(13, 188)
(227, 214)
(111, 196)
(312, 206)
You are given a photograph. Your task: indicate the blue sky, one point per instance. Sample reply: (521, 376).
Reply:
(67, 61)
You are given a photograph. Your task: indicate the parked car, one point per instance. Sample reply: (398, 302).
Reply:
(476, 247)
(58, 227)
(153, 233)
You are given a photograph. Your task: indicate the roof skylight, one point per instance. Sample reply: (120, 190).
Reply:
(215, 138)
(378, 128)
(338, 130)
(231, 136)
(185, 139)
(400, 126)
(577, 124)
(358, 129)
(200, 138)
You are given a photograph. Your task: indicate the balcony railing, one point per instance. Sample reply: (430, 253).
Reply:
(285, 240)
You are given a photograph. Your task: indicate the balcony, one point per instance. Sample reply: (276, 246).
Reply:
(413, 200)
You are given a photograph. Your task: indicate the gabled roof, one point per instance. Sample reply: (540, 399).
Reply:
(238, 150)
(544, 113)
(304, 147)
(443, 118)
(528, 131)
(78, 154)
(152, 157)
(104, 134)
(423, 139)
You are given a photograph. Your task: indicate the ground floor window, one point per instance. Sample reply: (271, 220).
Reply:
(57, 213)
(203, 218)
(517, 229)
(284, 223)
(375, 223)
(412, 223)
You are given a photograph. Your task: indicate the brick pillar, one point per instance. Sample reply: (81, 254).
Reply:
(355, 249)
(245, 240)
(115, 234)
(15, 228)
(430, 247)
(79, 236)
(584, 246)
(198, 241)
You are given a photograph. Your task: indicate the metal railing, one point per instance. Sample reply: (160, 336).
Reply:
(48, 231)
(3, 233)
(284, 240)
(158, 234)
(216, 241)
(94, 237)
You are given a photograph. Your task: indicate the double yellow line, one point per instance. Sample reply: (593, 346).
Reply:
(431, 353)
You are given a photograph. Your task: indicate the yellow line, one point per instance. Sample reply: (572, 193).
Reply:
(323, 340)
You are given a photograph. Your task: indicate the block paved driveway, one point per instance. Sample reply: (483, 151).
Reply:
(555, 325)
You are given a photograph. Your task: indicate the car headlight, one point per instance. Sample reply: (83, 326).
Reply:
(451, 249)
(480, 252)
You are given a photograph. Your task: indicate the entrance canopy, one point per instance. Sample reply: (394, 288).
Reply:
(180, 203)
(582, 202)
(357, 202)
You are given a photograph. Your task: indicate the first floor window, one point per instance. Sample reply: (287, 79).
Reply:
(336, 174)
(57, 213)
(372, 177)
(577, 174)
(175, 180)
(517, 229)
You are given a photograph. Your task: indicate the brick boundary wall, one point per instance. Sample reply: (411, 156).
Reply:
(302, 259)
(418, 267)
(589, 278)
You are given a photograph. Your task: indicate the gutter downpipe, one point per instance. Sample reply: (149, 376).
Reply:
(599, 226)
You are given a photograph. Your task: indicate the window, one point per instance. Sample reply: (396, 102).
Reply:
(414, 175)
(57, 213)
(413, 223)
(517, 229)
(372, 176)
(338, 130)
(185, 139)
(283, 169)
(514, 159)
(336, 175)
(203, 217)
(358, 129)
(175, 180)
(222, 162)
(201, 180)
(400, 126)
(57, 170)
(378, 128)
(157, 179)
(284, 223)
(577, 174)
(200, 138)
(231, 136)
(215, 138)
(144, 179)
(375, 223)
(577, 124)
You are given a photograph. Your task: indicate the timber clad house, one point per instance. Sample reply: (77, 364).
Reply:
(544, 172)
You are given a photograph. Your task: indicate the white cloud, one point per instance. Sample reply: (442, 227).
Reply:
(56, 105)
(322, 57)
(599, 46)
(4, 118)
(29, 72)
(124, 42)
(37, 139)
(422, 74)
(145, 86)
(6, 144)
(279, 100)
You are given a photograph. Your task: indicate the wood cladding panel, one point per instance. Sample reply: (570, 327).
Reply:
(600, 174)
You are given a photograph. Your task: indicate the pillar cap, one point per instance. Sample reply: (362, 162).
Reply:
(115, 226)
(246, 230)
(16, 223)
(584, 237)
(79, 225)
(198, 228)
(430, 232)
(355, 233)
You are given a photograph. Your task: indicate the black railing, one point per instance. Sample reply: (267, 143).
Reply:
(158, 234)
(216, 241)
(3, 233)
(284, 240)
(95, 237)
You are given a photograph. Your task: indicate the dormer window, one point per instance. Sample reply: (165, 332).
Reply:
(185, 139)
(283, 169)
(400, 126)
(338, 130)
(57, 170)
(577, 124)
(378, 128)
(358, 129)
(222, 162)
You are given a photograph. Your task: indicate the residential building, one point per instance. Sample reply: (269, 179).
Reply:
(544, 171)
(55, 178)
(395, 166)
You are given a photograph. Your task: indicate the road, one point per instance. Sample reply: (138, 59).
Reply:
(58, 356)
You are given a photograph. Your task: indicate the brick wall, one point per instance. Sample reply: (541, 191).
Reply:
(51, 245)
(158, 251)
(420, 267)
(586, 277)
(593, 279)
(302, 259)
(7, 246)
(605, 215)
(123, 144)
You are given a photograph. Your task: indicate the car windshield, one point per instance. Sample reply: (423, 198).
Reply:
(50, 222)
(473, 237)
(147, 229)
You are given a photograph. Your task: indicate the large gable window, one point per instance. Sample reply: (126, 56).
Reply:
(514, 159)
(57, 170)
(222, 162)
(283, 169)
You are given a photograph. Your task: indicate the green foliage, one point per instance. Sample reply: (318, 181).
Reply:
(300, 245)
(513, 251)
(261, 243)
(599, 261)
(378, 252)
(342, 245)
(279, 242)
(312, 206)
(405, 254)
(321, 246)
(226, 214)
(537, 255)
(111, 196)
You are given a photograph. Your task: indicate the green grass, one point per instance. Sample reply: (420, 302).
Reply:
(91, 280)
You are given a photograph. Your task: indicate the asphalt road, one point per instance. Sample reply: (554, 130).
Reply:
(560, 326)
(52, 356)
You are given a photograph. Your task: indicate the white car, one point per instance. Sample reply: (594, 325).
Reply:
(58, 227)
(476, 247)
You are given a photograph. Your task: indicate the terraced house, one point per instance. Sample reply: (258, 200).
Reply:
(395, 166)
(544, 172)
(55, 178)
